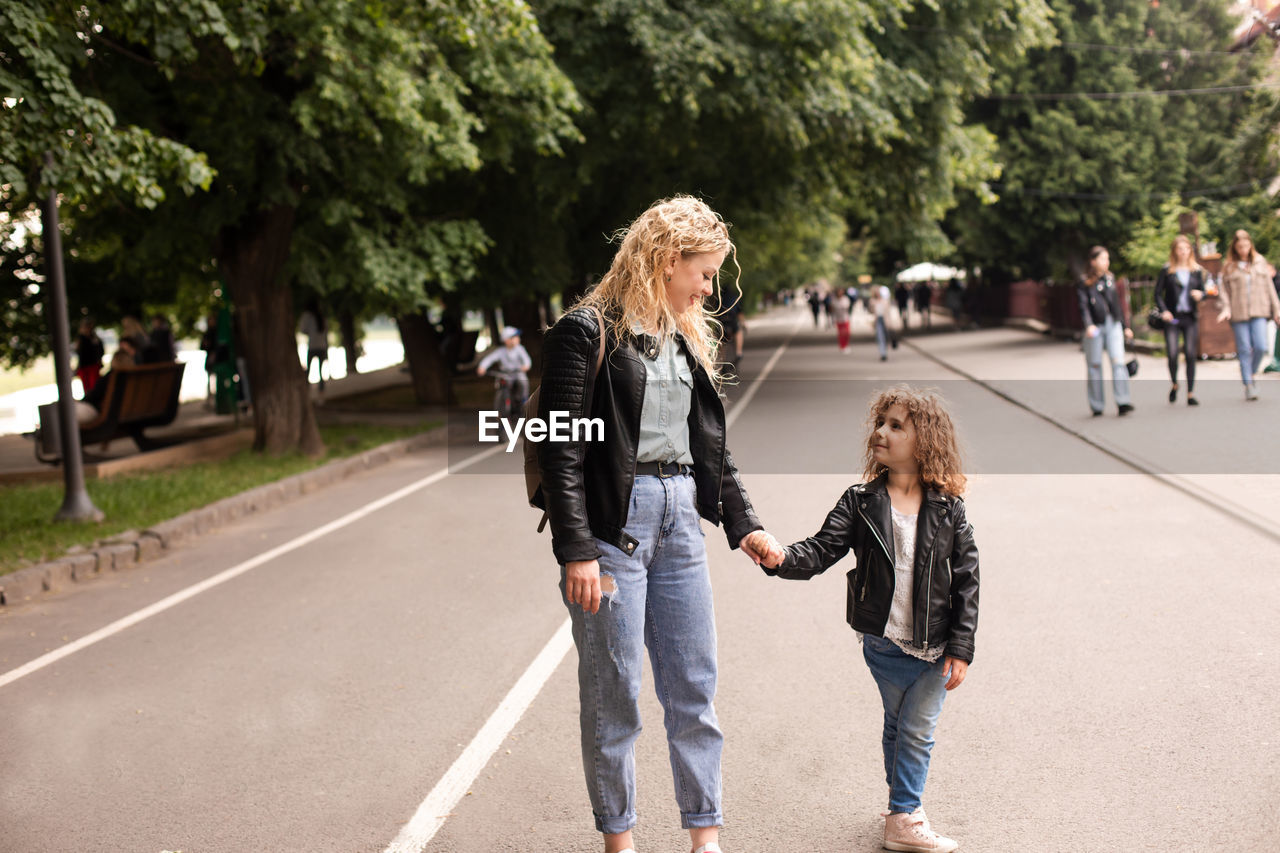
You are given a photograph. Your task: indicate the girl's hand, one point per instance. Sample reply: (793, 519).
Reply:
(582, 584)
(1197, 295)
(1128, 334)
(957, 669)
(1091, 331)
(1167, 316)
(763, 549)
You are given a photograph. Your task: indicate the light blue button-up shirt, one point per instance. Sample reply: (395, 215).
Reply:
(664, 417)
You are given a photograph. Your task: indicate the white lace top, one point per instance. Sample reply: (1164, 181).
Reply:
(900, 627)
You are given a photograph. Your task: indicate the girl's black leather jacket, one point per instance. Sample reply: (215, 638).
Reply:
(945, 600)
(586, 485)
(1168, 286)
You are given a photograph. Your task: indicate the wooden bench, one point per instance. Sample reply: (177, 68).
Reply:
(136, 398)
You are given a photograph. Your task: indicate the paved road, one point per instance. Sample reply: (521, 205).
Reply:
(1122, 696)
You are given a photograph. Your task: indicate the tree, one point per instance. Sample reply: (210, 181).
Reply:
(325, 122)
(1081, 167)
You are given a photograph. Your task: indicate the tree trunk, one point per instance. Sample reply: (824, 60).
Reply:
(427, 368)
(491, 320)
(252, 257)
(350, 343)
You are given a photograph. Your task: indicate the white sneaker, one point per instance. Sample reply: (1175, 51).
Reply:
(912, 833)
(1251, 391)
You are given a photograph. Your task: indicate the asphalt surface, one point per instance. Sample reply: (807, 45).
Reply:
(1122, 697)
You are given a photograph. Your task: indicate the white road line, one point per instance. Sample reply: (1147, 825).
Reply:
(452, 787)
(235, 571)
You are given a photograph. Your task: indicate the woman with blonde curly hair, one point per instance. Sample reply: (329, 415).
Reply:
(913, 595)
(637, 352)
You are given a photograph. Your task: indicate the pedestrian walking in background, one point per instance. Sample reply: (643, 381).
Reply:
(89, 353)
(954, 298)
(913, 593)
(1179, 289)
(880, 300)
(161, 347)
(902, 294)
(840, 308)
(1248, 301)
(1105, 328)
(732, 334)
(923, 296)
(815, 303)
(624, 509)
(312, 325)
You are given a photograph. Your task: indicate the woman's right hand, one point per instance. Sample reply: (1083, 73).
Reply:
(582, 584)
(1167, 316)
(1091, 331)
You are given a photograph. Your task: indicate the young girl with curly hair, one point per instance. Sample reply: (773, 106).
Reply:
(913, 595)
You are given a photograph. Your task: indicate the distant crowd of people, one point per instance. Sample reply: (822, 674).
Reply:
(136, 346)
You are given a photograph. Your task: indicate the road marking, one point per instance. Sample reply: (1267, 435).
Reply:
(235, 571)
(452, 787)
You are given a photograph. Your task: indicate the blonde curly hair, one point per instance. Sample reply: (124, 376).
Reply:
(633, 292)
(937, 445)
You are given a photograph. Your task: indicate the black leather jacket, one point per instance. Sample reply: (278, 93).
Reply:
(1168, 287)
(1098, 300)
(945, 601)
(586, 486)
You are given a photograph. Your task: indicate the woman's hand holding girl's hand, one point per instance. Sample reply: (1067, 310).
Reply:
(957, 669)
(763, 549)
(582, 584)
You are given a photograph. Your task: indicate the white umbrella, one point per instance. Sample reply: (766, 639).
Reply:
(926, 271)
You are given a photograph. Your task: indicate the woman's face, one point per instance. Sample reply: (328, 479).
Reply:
(1182, 252)
(1102, 263)
(1243, 245)
(893, 441)
(692, 279)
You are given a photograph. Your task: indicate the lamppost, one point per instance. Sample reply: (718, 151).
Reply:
(76, 504)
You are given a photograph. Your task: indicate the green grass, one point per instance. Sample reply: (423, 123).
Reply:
(29, 535)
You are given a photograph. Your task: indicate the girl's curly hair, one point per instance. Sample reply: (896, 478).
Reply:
(633, 292)
(937, 445)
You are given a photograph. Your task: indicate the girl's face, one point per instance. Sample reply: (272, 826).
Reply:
(1243, 245)
(691, 279)
(893, 441)
(1102, 263)
(1182, 252)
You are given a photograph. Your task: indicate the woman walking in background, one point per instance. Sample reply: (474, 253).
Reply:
(1248, 301)
(1104, 328)
(1179, 289)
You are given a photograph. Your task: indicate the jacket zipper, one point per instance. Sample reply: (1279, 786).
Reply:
(867, 574)
(928, 595)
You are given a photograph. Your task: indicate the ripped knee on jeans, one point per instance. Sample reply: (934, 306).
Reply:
(608, 586)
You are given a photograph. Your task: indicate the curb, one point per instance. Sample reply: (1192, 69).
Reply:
(127, 549)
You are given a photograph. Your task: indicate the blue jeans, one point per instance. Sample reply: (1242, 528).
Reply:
(1251, 345)
(662, 600)
(1111, 338)
(912, 691)
(882, 336)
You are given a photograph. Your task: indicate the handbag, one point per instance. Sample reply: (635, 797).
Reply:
(1155, 320)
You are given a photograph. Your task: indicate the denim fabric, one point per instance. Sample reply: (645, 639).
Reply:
(1111, 338)
(882, 336)
(1251, 346)
(662, 601)
(912, 691)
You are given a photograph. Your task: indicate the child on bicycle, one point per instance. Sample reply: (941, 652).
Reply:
(512, 363)
(913, 595)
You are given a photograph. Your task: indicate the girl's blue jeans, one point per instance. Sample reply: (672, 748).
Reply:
(1251, 346)
(661, 601)
(912, 691)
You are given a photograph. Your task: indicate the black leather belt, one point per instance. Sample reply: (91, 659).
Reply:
(661, 469)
